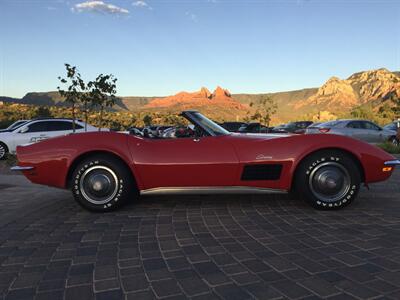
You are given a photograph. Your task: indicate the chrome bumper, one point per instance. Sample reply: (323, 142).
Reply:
(18, 168)
(395, 162)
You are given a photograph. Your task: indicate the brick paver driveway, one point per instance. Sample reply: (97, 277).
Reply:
(204, 247)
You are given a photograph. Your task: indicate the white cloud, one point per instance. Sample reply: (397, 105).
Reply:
(192, 16)
(141, 4)
(99, 7)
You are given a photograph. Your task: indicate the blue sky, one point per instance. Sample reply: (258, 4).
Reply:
(162, 47)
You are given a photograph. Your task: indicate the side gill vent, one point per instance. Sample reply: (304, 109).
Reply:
(262, 172)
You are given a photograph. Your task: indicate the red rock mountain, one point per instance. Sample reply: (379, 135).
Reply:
(358, 89)
(335, 97)
(185, 100)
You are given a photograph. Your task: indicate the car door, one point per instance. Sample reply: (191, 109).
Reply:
(31, 133)
(374, 132)
(62, 127)
(184, 162)
(355, 130)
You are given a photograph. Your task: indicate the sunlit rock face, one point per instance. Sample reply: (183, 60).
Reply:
(220, 97)
(358, 89)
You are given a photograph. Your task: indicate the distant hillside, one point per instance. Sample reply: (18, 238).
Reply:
(334, 97)
(284, 100)
(337, 95)
(54, 99)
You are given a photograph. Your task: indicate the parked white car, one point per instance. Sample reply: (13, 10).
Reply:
(36, 130)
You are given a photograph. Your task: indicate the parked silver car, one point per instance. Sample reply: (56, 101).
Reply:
(392, 126)
(359, 129)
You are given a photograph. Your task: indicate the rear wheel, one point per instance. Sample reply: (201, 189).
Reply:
(3, 151)
(328, 179)
(102, 183)
(394, 140)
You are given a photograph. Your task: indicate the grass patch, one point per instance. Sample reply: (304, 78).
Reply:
(390, 147)
(6, 164)
(10, 161)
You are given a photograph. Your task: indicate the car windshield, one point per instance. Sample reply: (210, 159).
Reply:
(391, 126)
(328, 124)
(210, 126)
(16, 125)
(289, 125)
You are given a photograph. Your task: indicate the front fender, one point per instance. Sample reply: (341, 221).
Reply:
(52, 159)
(370, 158)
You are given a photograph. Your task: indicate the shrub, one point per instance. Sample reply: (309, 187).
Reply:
(390, 147)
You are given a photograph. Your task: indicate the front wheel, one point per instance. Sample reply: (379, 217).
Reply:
(328, 179)
(3, 151)
(394, 140)
(102, 183)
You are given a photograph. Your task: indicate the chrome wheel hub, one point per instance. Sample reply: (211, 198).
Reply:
(2, 151)
(329, 181)
(99, 184)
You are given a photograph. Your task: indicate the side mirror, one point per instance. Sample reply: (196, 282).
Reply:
(24, 129)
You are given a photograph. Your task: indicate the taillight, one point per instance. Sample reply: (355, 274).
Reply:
(324, 130)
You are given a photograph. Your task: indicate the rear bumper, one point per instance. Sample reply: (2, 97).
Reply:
(18, 168)
(395, 162)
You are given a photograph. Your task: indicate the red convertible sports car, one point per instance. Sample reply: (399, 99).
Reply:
(106, 169)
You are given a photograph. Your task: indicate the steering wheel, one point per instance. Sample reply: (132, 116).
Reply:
(184, 132)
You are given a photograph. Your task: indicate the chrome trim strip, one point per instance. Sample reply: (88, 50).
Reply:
(395, 162)
(18, 168)
(211, 190)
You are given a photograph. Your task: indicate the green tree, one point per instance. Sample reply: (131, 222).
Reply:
(396, 107)
(132, 121)
(147, 119)
(386, 112)
(86, 102)
(265, 109)
(362, 112)
(248, 117)
(73, 93)
(42, 112)
(102, 93)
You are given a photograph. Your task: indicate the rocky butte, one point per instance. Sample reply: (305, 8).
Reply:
(358, 89)
(186, 100)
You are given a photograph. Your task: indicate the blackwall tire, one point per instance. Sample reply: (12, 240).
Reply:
(3, 151)
(102, 183)
(328, 180)
(394, 141)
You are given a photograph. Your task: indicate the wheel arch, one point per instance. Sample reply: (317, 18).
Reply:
(355, 158)
(77, 160)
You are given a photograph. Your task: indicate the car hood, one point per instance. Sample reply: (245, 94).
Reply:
(261, 136)
(4, 134)
(389, 131)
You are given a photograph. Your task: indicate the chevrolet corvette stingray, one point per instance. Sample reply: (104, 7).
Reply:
(106, 169)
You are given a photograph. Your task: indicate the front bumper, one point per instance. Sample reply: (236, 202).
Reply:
(395, 162)
(18, 168)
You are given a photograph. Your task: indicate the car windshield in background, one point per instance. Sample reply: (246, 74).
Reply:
(289, 125)
(209, 125)
(328, 124)
(391, 126)
(17, 124)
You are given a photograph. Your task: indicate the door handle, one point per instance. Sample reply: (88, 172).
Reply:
(196, 140)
